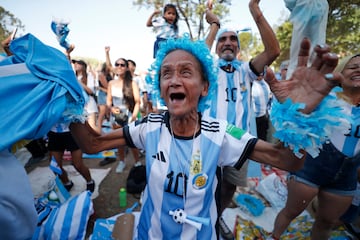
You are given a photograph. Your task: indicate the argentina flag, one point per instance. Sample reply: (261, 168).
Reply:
(38, 89)
(55, 167)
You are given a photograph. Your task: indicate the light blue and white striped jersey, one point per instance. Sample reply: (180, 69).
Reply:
(232, 101)
(349, 144)
(168, 157)
(260, 97)
(60, 128)
(163, 28)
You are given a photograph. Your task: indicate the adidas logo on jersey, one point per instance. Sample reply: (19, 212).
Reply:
(159, 156)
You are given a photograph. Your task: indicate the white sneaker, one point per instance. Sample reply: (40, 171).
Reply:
(120, 167)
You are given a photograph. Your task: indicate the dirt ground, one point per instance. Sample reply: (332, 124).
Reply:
(107, 203)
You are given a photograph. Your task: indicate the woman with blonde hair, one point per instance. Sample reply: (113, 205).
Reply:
(332, 175)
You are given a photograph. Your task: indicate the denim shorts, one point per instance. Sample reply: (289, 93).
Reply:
(331, 171)
(101, 99)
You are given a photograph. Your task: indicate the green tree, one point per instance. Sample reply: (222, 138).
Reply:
(283, 34)
(7, 24)
(191, 13)
(344, 26)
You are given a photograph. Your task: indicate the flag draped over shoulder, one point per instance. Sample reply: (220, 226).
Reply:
(38, 89)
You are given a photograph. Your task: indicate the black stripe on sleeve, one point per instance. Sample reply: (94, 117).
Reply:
(248, 150)
(127, 137)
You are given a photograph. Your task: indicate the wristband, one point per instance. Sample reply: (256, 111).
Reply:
(308, 131)
(217, 23)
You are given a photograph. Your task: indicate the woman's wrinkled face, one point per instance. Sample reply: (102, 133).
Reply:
(182, 82)
(351, 73)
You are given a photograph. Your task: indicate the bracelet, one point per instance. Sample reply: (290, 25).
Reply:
(308, 131)
(217, 23)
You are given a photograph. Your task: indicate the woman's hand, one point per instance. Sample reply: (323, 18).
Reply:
(115, 110)
(307, 85)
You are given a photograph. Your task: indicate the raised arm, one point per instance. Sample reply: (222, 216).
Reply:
(214, 22)
(149, 21)
(308, 86)
(6, 45)
(107, 58)
(271, 44)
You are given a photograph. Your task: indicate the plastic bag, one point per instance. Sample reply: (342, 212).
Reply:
(274, 190)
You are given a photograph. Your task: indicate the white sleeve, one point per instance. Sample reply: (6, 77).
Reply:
(135, 134)
(158, 22)
(236, 147)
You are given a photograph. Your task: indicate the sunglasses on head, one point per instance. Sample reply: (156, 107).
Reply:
(120, 64)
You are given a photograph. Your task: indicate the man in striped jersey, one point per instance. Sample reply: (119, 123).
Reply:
(232, 100)
(261, 99)
(184, 148)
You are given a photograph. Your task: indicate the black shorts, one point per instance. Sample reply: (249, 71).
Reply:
(58, 142)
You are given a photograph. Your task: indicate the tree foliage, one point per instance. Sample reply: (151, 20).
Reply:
(7, 24)
(191, 13)
(344, 26)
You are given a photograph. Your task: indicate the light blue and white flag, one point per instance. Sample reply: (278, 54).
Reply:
(55, 167)
(67, 221)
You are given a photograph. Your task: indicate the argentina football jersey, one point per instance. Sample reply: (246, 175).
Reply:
(184, 170)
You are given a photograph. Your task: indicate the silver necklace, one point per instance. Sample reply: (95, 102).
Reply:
(179, 215)
(182, 164)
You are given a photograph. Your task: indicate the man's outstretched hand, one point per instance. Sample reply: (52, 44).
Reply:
(307, 85)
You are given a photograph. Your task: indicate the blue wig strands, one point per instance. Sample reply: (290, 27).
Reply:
(308, 131)
(200, 51)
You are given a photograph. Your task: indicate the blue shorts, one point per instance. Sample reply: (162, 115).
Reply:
(157, 45)
(101, 99)
(331, 171)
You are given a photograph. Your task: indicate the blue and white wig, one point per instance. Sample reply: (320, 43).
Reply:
(200, 51)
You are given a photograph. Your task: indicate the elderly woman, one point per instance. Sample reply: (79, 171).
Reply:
(183, 148)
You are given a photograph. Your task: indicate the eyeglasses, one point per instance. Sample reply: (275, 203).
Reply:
(120, 64)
